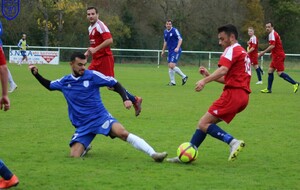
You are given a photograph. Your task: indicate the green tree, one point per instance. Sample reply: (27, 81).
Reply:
(286, 21)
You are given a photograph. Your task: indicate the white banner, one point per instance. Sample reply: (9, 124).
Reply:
(35, 57)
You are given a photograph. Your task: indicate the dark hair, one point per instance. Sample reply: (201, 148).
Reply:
(229, 29)
(169, 20)
(270, 23)
(77, 55)
(92, 7)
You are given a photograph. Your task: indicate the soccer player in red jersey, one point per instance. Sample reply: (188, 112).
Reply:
(235, 73)
(102, 56)
(278, 57)
(8, 179)
(252, 51)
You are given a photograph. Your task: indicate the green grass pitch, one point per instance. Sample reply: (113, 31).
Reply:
(35, 133)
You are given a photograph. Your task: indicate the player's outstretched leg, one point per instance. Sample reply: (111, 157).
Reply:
(142, 145)
(159, 156)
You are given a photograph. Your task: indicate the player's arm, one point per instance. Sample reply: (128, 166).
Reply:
(19, 44)
(179, 43)
(4, 100)
(218, 76)
(120, 90)
(163, 48)
(204, 72)
(104, 44)
(269, 49)
(42, 80)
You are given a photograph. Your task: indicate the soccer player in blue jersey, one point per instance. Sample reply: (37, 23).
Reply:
(173, 40)
(86, 110)
(23, 46)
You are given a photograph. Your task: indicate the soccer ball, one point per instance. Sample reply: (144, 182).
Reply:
(187, 152)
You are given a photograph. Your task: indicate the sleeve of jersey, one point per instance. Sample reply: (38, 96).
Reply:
(106, 35)
(272, 42)
(56, 84)
(178, 34)
(102, 80)
(19, 44)
(224, 61)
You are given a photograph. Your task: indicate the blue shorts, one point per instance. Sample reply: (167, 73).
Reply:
(86, 136)
(23, 53)
(173, 57)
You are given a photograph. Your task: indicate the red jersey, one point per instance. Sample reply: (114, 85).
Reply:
(253, 43)
(236, 59)
(274, 39)
(98, 33)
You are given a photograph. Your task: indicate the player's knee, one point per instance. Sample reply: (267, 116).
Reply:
(202, 125)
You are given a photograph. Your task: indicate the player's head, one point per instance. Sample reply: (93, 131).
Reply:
(169, 24)
(77, 62)
(227, 35)
(269, 27)
(250, 31)
(23, 36)
(92, 14)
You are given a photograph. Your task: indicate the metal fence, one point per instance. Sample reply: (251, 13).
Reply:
(146, 56)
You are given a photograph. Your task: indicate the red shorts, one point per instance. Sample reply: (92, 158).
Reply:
(254, 59)
(104, 65)
(2, 57)
(278, 63)
(231, 102)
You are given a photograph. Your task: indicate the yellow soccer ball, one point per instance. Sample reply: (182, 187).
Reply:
(187, 152)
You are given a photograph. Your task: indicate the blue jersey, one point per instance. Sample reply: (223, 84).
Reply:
(172, 37)
(85, 107)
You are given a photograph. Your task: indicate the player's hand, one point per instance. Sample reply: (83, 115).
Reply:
(4, 103)
(203, 71)
(199, 85)
(127, 104)
(261, 54)
(162, 53)
(91, 50)
(176, 50)
(87, 54)
(33, 69)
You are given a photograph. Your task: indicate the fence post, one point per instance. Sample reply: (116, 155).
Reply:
(209, 58)
(158, 58)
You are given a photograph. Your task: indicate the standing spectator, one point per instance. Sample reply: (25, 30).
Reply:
(235, 73)
(102, 56)
(23, 47)
(173, 40)
(252, 51)
(86, 110)
(278, 57)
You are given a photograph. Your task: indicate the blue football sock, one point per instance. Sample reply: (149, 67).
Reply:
(287, 78)
(4, 171)
(130, 96)
(258, 72)
(270, 81)
(198, 137)
(218, 133)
